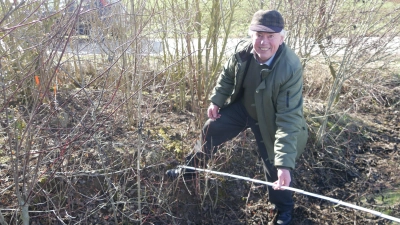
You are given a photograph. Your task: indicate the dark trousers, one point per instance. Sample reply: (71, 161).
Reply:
(235, 119)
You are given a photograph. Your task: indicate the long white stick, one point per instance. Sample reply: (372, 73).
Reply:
(339, 202)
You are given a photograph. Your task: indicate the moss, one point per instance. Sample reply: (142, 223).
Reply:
(3, 157)
(170, 144)
(385, 200)
(222, 187)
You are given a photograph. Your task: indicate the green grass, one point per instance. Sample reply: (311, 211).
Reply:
(243, 11)
(385, 200)
(3, 157)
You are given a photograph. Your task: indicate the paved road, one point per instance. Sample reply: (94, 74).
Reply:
(155, 47)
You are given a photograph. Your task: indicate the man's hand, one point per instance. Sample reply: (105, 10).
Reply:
(212, 112)
(283, 179)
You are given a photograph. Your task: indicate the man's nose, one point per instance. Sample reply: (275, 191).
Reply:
(264, 41)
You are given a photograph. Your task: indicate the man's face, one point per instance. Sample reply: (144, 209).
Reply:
(266, 44)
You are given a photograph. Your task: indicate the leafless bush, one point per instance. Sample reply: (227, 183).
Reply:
(86, 90)
(351, 37)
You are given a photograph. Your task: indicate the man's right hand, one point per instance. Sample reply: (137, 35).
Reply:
(213, 112)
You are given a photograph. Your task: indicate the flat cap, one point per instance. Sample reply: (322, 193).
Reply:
(270, 21)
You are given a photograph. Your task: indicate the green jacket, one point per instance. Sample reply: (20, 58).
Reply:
(278, 99)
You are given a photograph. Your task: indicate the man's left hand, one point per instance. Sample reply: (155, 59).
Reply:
(283, 179)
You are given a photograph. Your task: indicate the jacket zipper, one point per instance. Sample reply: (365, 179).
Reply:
(287, 99)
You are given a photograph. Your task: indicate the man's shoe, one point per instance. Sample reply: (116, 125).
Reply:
(175, 173)
(284, 218)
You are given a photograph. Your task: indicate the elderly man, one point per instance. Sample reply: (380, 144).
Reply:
(260, 88)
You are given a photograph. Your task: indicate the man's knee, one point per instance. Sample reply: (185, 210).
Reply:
(208, 127)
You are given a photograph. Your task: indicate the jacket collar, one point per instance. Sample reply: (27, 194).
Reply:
(247, 53)
(277, 55)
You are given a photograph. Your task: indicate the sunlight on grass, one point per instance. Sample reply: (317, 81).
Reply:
(384, 201)
(3, 158)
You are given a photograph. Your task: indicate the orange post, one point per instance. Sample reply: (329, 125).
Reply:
(37, 80)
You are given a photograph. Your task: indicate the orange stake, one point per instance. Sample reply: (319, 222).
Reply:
(37, 80)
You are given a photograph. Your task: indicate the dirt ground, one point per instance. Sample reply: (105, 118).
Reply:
(93, 180)
(362, 172)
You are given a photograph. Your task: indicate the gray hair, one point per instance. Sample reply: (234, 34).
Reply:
(282, 33)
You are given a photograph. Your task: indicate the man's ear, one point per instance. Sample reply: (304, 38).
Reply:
(281, 40)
